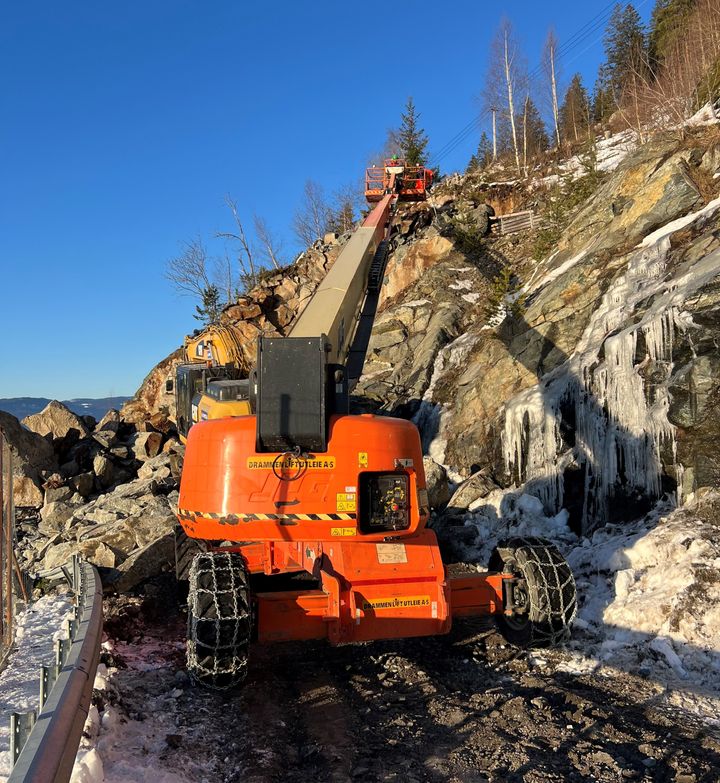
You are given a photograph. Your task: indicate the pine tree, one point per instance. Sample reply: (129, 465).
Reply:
(602, 99)
(209, 311)
(669, 19)
(625, 46)
(537, 137)
(412, 139)
(574, 111)
(483, 155)
(342, 218)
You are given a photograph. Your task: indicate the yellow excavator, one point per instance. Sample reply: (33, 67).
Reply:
(209, 384)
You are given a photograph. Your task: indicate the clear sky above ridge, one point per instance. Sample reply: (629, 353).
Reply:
(123, 126)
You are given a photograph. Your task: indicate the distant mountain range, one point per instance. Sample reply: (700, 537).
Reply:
(20, 407)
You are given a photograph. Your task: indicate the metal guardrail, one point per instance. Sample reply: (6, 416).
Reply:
(44, 746)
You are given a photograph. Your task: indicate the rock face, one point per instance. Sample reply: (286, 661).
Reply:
(615, 350)
(594, 386)
(32, 454)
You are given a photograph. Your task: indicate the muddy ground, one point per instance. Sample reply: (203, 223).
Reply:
(465, 707)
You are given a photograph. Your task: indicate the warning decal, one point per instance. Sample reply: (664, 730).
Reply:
(342, 531)
(401, 602)
(291, 463)
(362, 459)
(346, 502)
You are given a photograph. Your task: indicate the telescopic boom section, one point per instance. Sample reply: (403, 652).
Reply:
(335, 306)
(302, 378)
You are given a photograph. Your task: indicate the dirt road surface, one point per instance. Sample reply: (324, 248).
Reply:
(463, 708)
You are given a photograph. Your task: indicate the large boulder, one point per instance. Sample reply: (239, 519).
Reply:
(153, 559)
(31, 455)
(438, 487)
(54, 516)
(58, 422)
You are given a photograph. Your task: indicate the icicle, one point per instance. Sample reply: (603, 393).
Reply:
(618, 430)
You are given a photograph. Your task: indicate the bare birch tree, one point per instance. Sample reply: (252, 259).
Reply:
(270, 247)
(189, 273)
(550, 70)
(246, 261)
(311, 219)
(504, 79)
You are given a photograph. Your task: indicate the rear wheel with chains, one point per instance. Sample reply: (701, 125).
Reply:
(219, 620)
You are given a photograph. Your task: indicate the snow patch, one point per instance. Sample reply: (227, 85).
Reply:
(37, 628)
(462, 285)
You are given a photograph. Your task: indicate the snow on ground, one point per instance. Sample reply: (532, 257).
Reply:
(118, 747)
(37, 629)
(462, 285)
(705, 116)
(649, 593)
(609, 154)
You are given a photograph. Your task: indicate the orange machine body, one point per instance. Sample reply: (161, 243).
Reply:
(368, 585)
(411, 183)
(230, 492)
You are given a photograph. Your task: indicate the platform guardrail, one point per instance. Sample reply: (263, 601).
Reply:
(44, 743)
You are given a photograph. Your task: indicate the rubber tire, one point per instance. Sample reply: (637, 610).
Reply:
(551, 591)
(219, 620)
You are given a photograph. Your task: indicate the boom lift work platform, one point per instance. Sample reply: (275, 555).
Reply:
(313, 521)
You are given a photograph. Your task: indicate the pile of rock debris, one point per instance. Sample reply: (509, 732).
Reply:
(105, 489)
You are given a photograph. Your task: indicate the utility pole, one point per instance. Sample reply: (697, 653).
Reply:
(493, 109)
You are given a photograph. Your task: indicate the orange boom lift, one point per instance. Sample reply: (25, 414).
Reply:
(313, 521)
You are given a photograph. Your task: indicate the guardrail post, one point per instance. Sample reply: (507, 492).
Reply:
(48, 676)
(21, 724)
(47, 751)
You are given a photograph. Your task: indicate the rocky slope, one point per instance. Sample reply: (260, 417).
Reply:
(563, 396)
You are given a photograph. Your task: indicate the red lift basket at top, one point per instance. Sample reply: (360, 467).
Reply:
(395, 176)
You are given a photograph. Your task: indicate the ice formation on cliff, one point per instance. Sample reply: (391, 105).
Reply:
(621, 427)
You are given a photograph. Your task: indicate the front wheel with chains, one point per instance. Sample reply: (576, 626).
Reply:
(219, 620)
(546, 592)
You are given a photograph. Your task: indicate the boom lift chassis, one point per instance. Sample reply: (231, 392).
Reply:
(302, 521)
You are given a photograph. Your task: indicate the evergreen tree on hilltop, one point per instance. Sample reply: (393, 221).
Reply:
(484, 154)
(669, 19)
(209, 311)
(625, 46)
(574, 111)
(537, 137)
(603, 104)
(412, 138)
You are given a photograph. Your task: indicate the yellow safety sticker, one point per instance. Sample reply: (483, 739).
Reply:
(291, 463)
(400, 602)
(346, 501)
(342, 531)
(362, 459)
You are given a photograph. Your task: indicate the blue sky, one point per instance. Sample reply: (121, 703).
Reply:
(123, 126)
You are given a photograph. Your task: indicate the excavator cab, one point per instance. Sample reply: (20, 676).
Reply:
(203, 392)
(410, 183)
